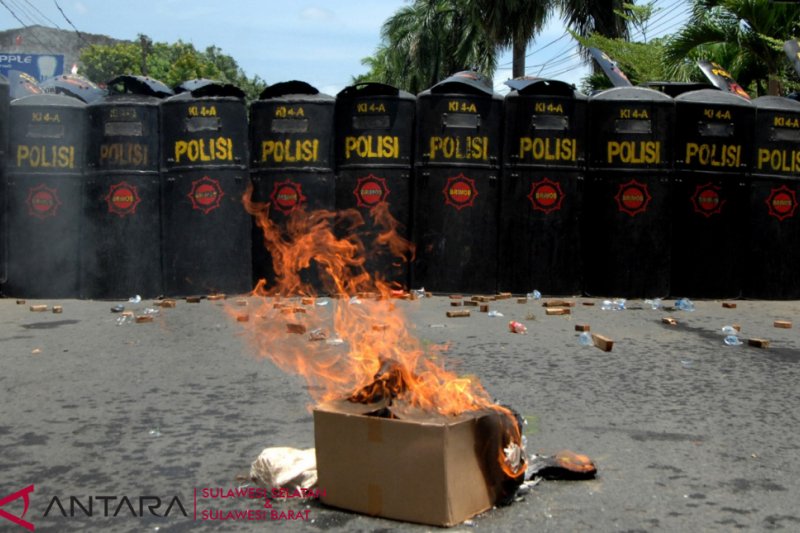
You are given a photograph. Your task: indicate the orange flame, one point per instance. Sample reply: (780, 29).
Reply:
(351, 348)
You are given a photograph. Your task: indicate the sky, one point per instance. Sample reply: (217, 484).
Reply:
(321, 42)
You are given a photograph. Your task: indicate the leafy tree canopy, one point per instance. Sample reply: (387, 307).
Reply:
(169, 63)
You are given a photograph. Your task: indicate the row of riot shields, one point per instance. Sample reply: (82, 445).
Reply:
(629, 192)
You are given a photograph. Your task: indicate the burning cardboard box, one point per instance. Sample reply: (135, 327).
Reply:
(405, 437)
(424, 468)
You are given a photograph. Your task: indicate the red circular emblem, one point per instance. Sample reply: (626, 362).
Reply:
(460, 192)
(706, 200)
(370, 190)
(546, 195)
(43, 201)
(782, 202)
(206, 194)
(633, 198)
(287, 196)
(122, 199)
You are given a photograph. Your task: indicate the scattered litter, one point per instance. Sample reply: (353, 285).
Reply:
(517, 327)
(557, 311)
(668, 320)
(582, 327)
(758, 343)
(729, 305)
(558, 303)
(617, 304)
(285, 468)
(602, 342)
(36, 351)
(155, 432)
(535, 295)
(193, 299)
(456, 303)
(732, 340)
(456, 314)
(243, 318)
(419, 293)
(380, 327)
(150, 311)
(318, 334)
(494, 313)
(135, 299)
(20, 302)
(321, 302)
(484, 308)
(503, 296)
(214, 297)
(684, 304)
(125, 318)
(456, 297)
(686, 363)
(38, 308)
(58, 310)
(585, 339)
(298, 329)
(654, 304)
(784, 324)
(471, 303)
(118, 308)
(564, 465)
(141, 319)
(729, 330)
(436, 325)
(167, 304)
(335, 342)
(355, 301)
(307, 301)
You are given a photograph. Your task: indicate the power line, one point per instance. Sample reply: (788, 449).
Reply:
(14, 14)
(537, 50)
(36, 21)
(70, 22)
(45, 17)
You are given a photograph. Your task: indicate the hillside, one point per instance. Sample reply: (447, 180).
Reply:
(43, 40)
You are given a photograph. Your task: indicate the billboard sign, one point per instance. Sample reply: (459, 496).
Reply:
(39, 66)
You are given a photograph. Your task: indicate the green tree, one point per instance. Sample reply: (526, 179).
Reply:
(169, 63)
(428, 40)
(512, 24)
(640, 61)
(744, 36)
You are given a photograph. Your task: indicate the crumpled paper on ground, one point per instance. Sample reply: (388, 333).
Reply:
(284, 467)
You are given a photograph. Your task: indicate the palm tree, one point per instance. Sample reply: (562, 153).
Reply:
(512, 23)
(744, 36)
(603, 17)
(428, 40)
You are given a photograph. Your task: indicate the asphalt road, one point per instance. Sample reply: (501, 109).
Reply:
(688, 434)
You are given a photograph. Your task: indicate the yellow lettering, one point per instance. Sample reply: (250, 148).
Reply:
(713, 155)
(45, 156)
(634, 152)
(219, 149)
